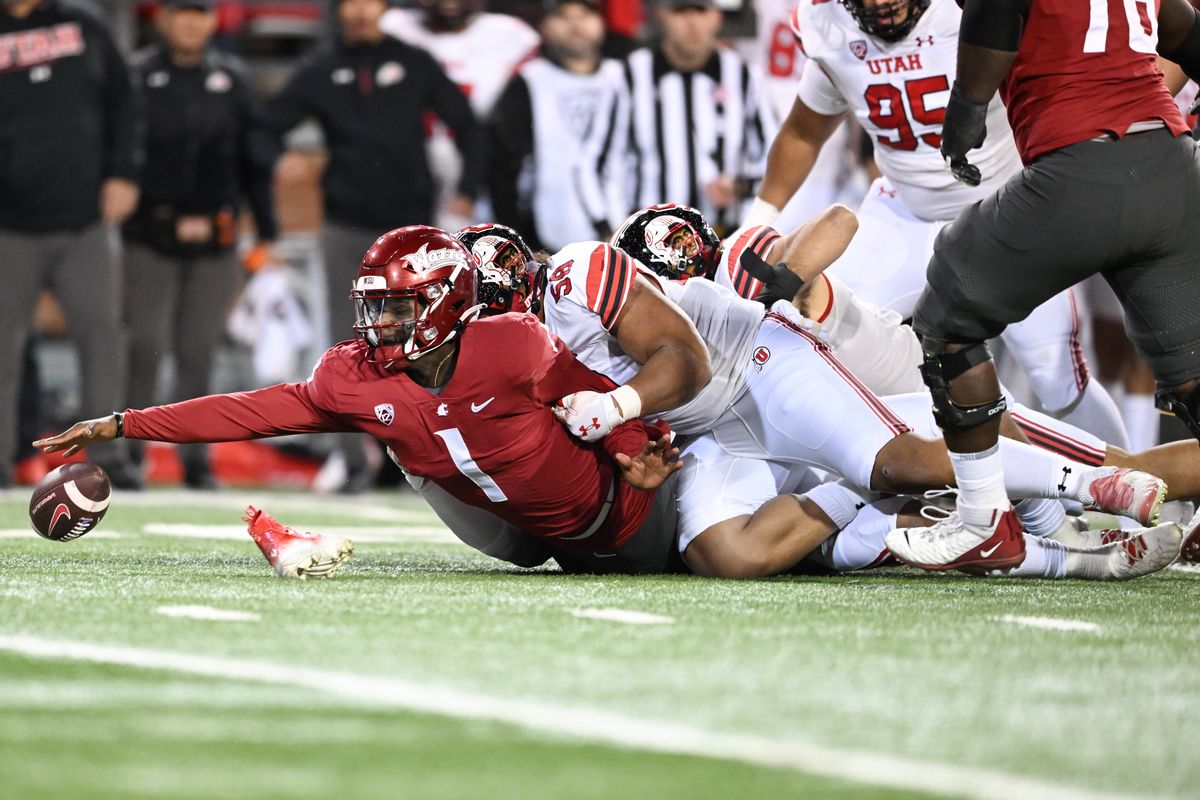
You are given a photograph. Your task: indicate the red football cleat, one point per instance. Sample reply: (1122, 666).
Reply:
(293, 554)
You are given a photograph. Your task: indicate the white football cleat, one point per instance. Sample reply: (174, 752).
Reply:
(293, 554)
(1076, 532)
(1128, 492)
(1143, 552)
(978, 538)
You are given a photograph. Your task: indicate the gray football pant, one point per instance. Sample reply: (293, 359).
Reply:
(178, 305)
(343, 248)
(79, 267)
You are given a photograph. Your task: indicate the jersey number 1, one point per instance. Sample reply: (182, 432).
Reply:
(467, 466)
(1141, 18)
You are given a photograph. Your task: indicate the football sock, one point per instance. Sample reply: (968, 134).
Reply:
(1032, 472)
(981, 478)
(1040, 517)
(1044, 558)
(862, 543)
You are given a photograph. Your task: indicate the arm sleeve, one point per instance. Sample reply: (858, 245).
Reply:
(759, 239)
(274, 411)
(124, 115)
(817, 91)
(509, 144)
(451, 107)
(257, 157)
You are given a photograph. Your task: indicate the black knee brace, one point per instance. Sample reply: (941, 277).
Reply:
(939, 368)
(1185, 409)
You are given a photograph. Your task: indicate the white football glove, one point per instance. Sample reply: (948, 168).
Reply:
(591, 416)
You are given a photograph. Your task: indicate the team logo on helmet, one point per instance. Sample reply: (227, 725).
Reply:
(859, 48)
(425, 259)
(386, 413)
(671, 240)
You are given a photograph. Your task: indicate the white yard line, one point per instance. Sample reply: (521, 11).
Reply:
(1052, 623)
(621, 615)
(25, 533)
(394, 533)
(659, 736)
(1179, 566)
(207, 613)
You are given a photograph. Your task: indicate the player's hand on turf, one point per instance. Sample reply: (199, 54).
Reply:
(80, 435)
(963, 130)
(651, 467)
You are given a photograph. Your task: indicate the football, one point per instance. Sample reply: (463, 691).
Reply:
(70, 501)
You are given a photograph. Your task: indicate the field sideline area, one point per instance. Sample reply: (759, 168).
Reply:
(159, 656)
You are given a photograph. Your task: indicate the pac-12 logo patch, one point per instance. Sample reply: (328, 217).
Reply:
(761, 356)
(859, 48)
(385, 412)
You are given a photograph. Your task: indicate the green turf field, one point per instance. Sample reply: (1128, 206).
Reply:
(424, 670)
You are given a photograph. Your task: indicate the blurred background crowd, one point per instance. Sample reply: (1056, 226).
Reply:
(187, 186)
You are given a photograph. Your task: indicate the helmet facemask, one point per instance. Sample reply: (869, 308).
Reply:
(674, 241)
(871, 21)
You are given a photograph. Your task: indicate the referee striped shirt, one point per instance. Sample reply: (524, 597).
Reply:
(685, 129)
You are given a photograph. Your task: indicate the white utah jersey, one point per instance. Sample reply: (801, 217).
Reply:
(898, 92)
(588, 284)
(774, 51)
(480, 58)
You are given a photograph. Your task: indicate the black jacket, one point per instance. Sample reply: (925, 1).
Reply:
(371, 102)
(205, 146)
(69, 118)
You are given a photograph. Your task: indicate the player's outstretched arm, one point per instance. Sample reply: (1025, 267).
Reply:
(651, 467)
(790, 159)
(80, 435)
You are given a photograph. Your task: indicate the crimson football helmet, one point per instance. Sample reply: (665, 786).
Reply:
(510, 278)
(672, 240)
(415, 290)
(870, 18)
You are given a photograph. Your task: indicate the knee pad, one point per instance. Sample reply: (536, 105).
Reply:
(939, 368)
(1186, 409)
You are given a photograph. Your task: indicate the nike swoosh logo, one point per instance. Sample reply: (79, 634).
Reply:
(481, 406)
(59, 512)
(988, 553)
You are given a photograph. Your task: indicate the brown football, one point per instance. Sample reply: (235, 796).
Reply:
(69, 501)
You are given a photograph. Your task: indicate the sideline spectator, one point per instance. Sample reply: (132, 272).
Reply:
(699, 125)
(70, 152)
(539, 127)
(205, 148)
(369, 93)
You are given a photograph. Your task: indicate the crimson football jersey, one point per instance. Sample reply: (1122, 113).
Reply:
(489, 438)
(1083, 70)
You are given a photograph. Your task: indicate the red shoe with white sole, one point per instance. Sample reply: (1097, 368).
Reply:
(293, 554)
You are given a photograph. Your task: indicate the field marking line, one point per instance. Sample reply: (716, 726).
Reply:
(25, 533)
(1181, 567)
(207, 613)
(623, 616)
(423, 534)
(603, 727)
(377, 506)
(1052, 623)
